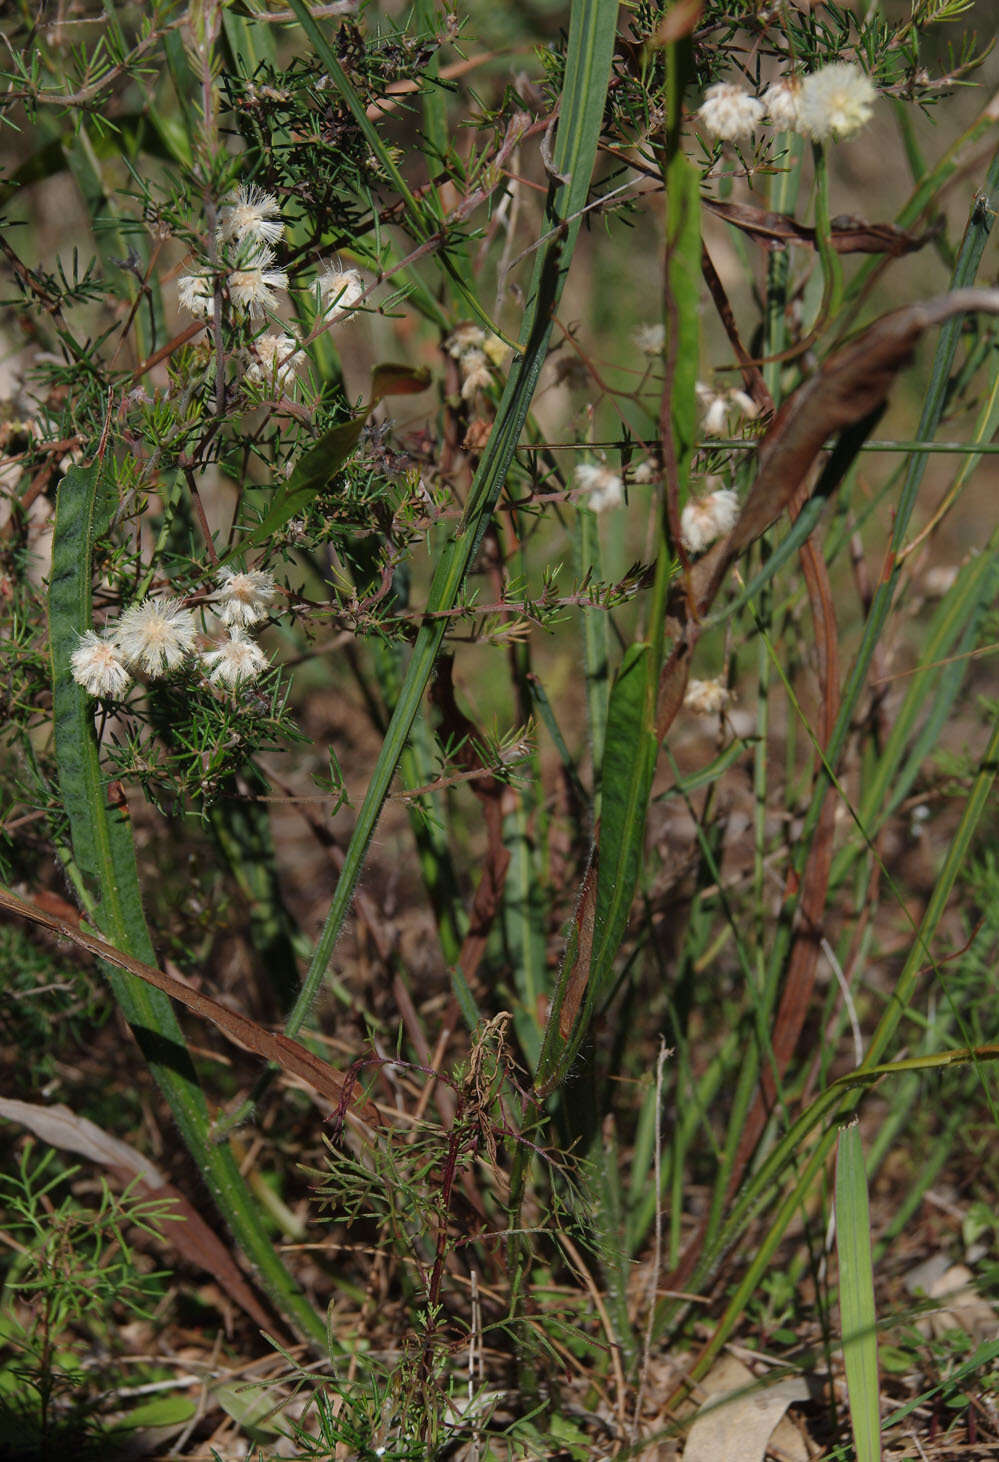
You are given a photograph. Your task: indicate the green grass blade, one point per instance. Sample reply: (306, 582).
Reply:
(104, 852)
(591, 45)
(858, 1322)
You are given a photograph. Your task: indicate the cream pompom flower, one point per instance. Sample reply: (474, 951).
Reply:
(340, 290)
(782, 101)
(98, 667)
(605, 488)
(464, 338)
(252, 287)
(730, 113)
(473, 368)
(251, 215)
(651, 339)
(277, 362)
(706, 518)
(243, 598)
(155, 635)
(835, 102)
(706, 697)
(196, 294)
(719, 406)
(235, 661)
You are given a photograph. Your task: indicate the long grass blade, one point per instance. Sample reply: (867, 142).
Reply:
(858, 1321)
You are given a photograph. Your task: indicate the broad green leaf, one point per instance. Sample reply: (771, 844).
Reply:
(602, 914)
(315, 470)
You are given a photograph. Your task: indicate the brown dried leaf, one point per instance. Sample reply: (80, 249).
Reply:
(849, 235)
(679, 21)
(852, 383)
(240, 1029)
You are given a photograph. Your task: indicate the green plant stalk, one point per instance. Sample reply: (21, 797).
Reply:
(783, 197)
(858, 1318)
(956, 617)
(832, 268)
(590, 47)
(105, 855)
(631, 746)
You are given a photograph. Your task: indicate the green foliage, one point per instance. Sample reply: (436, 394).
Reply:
(599, 952)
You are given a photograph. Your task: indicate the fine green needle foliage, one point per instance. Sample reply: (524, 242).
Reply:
(498, 727)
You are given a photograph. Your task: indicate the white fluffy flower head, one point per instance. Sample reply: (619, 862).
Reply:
(340, 289)
(651, 339)
(473, 367)
(98, 667)
(234, 662)
(243, 597)
(463, 338)
(706, 518)
(196, 294)
(835, 102)
(719, 407)
(706, 697)
(155, 635)
(605, 488)
(251, 215)
(252, 287)
(782, 101)
(277, 362)
(648, 470)
(730, 113)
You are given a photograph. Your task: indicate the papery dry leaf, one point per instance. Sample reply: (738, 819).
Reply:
(851, 385)
(740, 1415)
(848, 235)
(60, 1127)
(679, 21)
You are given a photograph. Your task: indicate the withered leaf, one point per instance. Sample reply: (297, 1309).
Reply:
(293, 1058)
(851, 385)
(848, 235)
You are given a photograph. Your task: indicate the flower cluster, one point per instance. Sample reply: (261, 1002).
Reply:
(474, 351)
(250, 224)
(829, 105)
(159, 634)
(706, 697)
